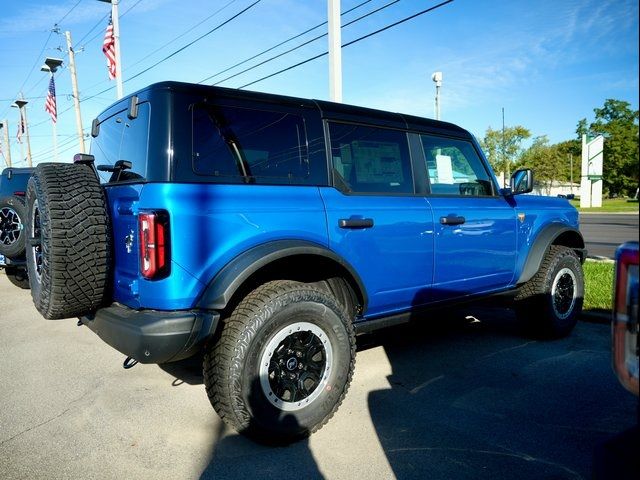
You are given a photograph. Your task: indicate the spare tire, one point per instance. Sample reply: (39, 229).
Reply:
(69, 251)
(13, 214)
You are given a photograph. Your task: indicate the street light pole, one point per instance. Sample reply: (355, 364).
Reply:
(437, 78)
(21, 104)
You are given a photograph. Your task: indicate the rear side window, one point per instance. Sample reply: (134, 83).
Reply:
(455, 168)
(121, 138)
(370, 159)
(240, 145)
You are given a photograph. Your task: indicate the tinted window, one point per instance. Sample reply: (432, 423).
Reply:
(239, 145)
(121, 138)
(455, 168)
(370, 159)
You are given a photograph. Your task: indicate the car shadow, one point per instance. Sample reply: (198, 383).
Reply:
(470, 396)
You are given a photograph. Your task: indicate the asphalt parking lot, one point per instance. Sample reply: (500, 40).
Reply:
(453, 398)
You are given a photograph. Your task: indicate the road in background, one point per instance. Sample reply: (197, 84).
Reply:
(603, 232)
(450, 398)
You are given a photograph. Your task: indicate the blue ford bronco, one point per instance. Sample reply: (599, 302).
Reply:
(266, 231)
(13, 211)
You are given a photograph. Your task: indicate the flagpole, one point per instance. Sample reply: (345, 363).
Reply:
(54, 126)
(116, 34)
(115, 24)
(51, 65)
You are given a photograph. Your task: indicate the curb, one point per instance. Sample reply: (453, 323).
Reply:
(596, 316)
(633, 212)
(598, 258)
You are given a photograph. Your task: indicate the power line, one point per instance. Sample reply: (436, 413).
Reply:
(44, 46)
(67, 14)
(280, 44)
(97, 24)
(305, 43)
(344, 45)
(183, 34)
(217, 27)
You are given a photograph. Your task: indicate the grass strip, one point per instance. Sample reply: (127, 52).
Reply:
(598, 280)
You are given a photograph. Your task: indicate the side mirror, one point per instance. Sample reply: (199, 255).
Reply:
(521, 181)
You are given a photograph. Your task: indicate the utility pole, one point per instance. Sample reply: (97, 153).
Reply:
(507, 172)
(5, 130)
(571, 170)
(76, 94)
(116, 34)
(335, 51)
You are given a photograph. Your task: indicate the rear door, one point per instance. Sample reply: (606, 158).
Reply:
(475, 228)
(123, 138)
(375, 219)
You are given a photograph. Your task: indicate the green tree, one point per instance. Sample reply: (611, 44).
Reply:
(503, 150)
(618, 123)
(542, 158)
(582, 128)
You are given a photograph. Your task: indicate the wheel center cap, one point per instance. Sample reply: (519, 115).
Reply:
(292, 363)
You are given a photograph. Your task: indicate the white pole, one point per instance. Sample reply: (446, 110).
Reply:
(335, 51)
(116, 34)
(5, 131)
(437, 79)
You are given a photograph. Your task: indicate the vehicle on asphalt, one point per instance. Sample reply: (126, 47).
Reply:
(625, 316)
(265, 231)
(13, 188)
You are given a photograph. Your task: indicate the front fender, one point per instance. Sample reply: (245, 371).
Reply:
(553, 234)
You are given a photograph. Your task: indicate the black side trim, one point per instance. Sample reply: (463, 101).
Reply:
(541, 245)
(232, 276)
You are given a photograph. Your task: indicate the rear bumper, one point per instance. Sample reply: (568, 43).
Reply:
(152, 336)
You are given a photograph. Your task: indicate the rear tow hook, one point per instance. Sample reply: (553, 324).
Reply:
(129, 362)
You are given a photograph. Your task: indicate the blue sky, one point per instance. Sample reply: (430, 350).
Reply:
(548, 63)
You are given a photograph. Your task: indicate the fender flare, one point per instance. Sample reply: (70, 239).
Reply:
(227, 281)
(543, 241)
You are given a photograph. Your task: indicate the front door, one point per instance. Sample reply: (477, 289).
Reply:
(475, 228)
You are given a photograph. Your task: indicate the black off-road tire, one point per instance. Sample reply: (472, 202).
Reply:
(13, 214)
(68, 255)
(233, 362)
(551, 302)
(18, 276)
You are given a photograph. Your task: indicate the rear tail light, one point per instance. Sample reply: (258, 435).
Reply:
(155, 253)
(19, 194)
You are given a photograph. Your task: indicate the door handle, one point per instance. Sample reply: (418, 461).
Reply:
(452, 220)
(355, 223)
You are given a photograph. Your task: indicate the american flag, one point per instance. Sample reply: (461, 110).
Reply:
(50, 102)
(20, 128)
(109, 49)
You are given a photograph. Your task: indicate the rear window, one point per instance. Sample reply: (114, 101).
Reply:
(121, 138)
(241, 145)
(370, 159)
